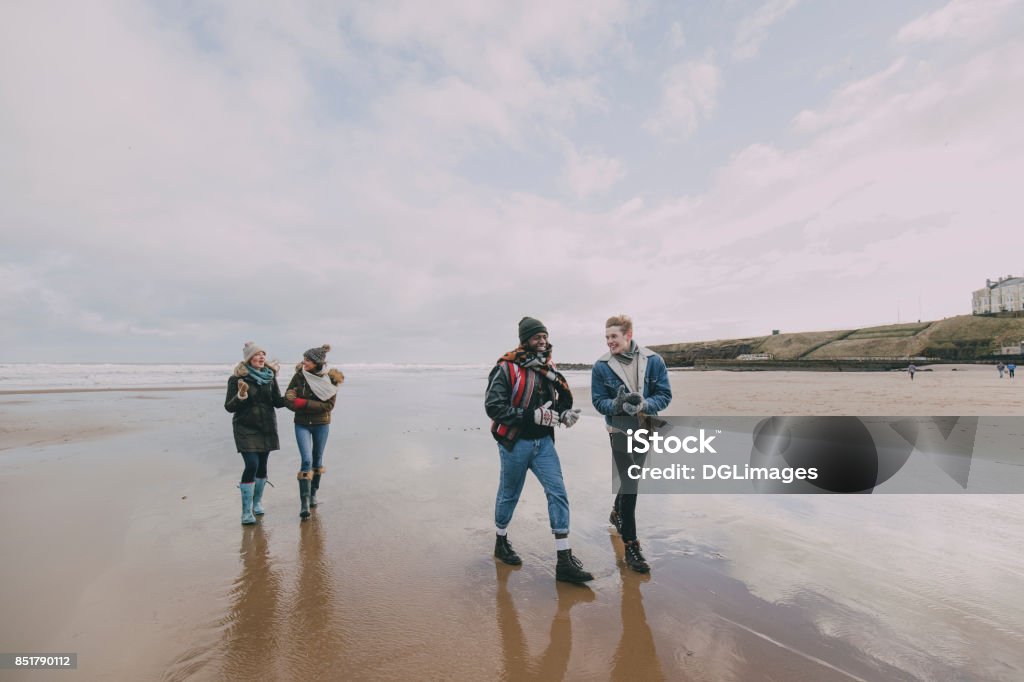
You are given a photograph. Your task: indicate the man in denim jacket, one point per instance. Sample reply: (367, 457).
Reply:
(629, 383)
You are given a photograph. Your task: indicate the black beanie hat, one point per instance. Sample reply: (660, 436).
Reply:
(528, 326)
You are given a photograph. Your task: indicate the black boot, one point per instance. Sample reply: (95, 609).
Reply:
(635, 558)
(615, 520)
(570, 569)
(317, 473)
(503, 551)
(304, 484)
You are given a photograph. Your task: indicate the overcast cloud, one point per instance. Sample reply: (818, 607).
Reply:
(406, 180)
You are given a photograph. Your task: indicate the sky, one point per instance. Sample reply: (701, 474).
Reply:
(406, 180)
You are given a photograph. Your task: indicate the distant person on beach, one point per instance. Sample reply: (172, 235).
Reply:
(1011, 368)
(311, 395)
(253, 395)
(627, 384)
(912, 369)
(527, 397)
(1001, 367)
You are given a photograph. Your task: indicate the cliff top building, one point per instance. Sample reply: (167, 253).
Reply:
(1001, 295)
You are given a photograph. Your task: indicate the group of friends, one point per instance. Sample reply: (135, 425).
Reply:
(254, 395)
(527, 399)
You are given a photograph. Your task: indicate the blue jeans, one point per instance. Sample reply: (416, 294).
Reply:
(538, 456)
(312, 440)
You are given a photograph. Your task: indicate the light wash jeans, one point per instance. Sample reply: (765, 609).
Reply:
(540, 457)
(312, 440)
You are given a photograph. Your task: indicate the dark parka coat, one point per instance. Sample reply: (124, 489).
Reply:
(316, 411)
(254, 421)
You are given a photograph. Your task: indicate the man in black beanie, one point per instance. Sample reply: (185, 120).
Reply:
(527, 397)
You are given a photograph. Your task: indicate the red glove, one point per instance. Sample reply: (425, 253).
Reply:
(300, 403)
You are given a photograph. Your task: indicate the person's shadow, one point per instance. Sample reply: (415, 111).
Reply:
(553, 663)
(250, 625)
(635, 656)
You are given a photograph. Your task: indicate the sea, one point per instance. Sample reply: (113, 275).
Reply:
(94, 376)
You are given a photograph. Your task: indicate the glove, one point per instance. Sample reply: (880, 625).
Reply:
(300, 403)
(243, 390)
(631, 408)
(620, 398)
(545, 416)
(570, 417)
(635, 398)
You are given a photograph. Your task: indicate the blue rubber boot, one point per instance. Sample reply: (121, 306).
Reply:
(247, 491)
(257, 496)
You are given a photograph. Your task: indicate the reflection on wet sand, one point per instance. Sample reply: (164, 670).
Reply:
(251, 627)
(316, 642)
(400, 585)
(635, 657)
(553, 663)
(275, 633)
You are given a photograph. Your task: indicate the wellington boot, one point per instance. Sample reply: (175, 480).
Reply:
(247, 516)
(315, 485)
(257, 496)
(304, 486)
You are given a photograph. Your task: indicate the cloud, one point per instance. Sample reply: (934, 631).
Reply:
(588, 174)
(958, 19)
(850, 101)
(902, 171)
(196, 177)
(676, 37)
(753, 30)
(689, 94)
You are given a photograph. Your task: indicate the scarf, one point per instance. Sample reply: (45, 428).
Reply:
(516, 362)
(260, 376)
(539, 362)
(320, 384)
(629, 367)
(629, 355)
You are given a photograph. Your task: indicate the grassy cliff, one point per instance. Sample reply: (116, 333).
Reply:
(962, 338)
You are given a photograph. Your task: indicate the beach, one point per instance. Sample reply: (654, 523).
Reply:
(120, 516)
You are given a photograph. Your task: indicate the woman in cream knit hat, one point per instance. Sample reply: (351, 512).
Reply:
(253, 395)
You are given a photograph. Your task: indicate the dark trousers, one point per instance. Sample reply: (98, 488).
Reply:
(625, 500)
(255, 465)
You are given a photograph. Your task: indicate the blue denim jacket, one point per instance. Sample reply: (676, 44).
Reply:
(605, 382)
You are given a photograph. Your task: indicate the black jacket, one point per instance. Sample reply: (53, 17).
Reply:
(498, 403)
(254, 421)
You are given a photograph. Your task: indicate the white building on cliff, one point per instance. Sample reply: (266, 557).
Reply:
(1001, 295)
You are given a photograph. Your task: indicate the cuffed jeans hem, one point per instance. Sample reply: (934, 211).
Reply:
(556, 531)
(540, 457)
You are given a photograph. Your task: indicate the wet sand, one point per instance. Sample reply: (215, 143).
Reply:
(124, 546)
